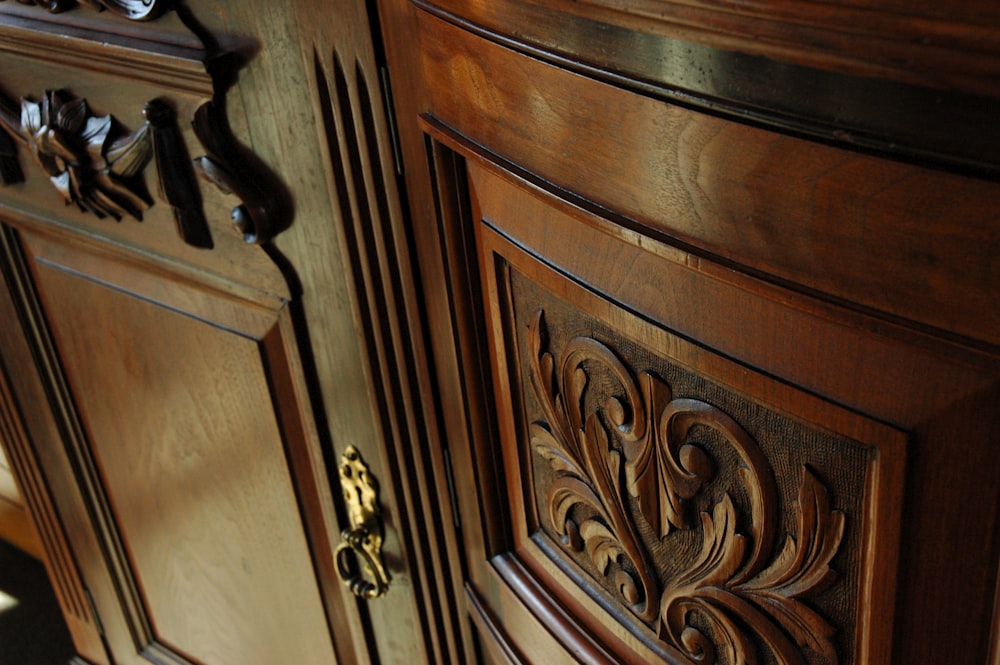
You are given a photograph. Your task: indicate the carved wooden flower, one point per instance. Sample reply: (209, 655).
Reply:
(74, 149)
(135, 10)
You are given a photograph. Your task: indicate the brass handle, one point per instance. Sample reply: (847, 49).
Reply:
(364, 537)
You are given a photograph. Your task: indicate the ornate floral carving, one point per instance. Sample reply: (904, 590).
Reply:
(86, 158)
(135, 10)
(636, 457)
(96, 165)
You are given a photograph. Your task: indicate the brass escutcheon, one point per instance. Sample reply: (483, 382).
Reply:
(366, 575)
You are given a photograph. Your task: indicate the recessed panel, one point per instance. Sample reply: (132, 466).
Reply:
(676, 501)
(182, 428)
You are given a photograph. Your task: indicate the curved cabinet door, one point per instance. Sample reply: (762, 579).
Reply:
(715, 392)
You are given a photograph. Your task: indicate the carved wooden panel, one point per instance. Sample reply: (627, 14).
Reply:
(168, 108)
(661, 501)
(135, 10)
(730, 530)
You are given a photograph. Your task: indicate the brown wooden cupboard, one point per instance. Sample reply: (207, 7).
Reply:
(507, 332)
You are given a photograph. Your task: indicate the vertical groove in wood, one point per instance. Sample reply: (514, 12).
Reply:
(458, 251)
(32, 484)
(62, 571)
(406, 351)
(74, 438)
(27, 465)
(368, 211)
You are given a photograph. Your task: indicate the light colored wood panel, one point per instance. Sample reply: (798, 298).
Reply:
(8, 488)
(182, 427)
(16, 528)
(15, 524)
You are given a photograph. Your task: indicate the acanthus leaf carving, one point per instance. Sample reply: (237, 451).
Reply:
(637, 456)
(590, 479)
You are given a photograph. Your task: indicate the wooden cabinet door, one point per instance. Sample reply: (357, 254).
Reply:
(186, 424)
(716, 392)
(153, 381)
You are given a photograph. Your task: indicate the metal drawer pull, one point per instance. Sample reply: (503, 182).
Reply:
(367, 576)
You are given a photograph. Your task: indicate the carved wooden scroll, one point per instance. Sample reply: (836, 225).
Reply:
(97, 165)
(633, 463)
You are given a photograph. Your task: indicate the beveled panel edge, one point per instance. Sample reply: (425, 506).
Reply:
(890, 118)
(491, 633)
(520, 585)
(110, 264)
(95, 539)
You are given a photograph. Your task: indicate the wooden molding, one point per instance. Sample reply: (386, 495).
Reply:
(172, 66)
(96, 165)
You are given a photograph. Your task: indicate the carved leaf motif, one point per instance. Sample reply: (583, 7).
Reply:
(587, 500)
(71, 147)
(768, 606)
(642, 444)
(803, 568)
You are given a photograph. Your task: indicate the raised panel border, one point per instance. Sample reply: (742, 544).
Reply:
(883, 492)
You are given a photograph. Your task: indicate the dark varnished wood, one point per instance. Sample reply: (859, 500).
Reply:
(733, 190)
(946, 47)
(669, 329)
(854, 68)
(328, 308)
(495, 201)
(579, 174)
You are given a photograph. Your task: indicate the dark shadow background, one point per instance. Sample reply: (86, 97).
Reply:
(33, 632)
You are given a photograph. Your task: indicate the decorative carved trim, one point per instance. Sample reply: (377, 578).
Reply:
(638, 456)
(134, 10)
(85, 157)
(96, 165)
(237, 171)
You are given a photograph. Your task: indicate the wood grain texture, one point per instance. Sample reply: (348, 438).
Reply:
(946, 45)
(15, 523)
(193, 463)
(365, 391)
(522, 215)
(34, 442)
(878, 234)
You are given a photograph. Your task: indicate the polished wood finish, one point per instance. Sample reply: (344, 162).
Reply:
(625, 265)
(271, 126)
(166, 473)
(668, 328)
